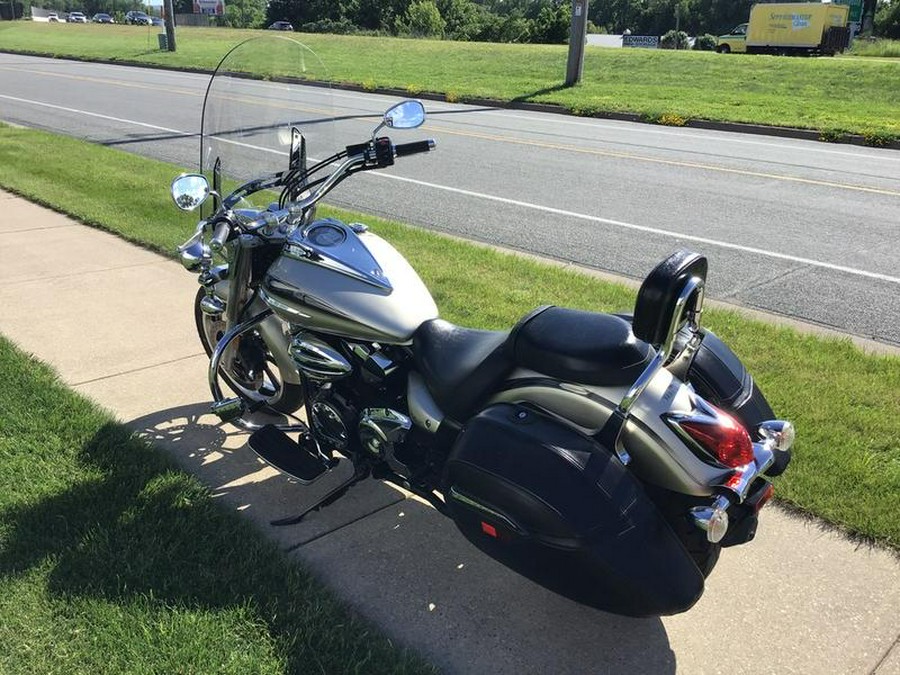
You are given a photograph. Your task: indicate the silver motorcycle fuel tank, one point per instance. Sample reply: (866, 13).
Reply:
(347, 281)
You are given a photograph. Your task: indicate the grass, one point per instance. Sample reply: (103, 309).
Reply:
(834, 96)
(844, 402)
(113, 561)
(879, 48)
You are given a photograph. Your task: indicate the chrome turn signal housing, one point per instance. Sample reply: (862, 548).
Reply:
(212, 305)
(712, 519)
(779, 433)
(192, 256)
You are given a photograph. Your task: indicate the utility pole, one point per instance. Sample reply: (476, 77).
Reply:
(170, 25)
(577, 37)
(677, 22)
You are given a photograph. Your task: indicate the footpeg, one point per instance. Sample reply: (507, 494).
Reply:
(294, 459)
(228, 409)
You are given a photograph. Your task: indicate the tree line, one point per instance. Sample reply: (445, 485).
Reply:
(541, 21)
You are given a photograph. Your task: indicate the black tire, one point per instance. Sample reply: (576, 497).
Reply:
(723, 49)
(280, 397)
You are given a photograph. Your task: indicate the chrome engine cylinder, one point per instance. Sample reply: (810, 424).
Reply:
(316, 359)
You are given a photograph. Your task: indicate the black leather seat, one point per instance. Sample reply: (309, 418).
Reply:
(577, 346)
(461, 366)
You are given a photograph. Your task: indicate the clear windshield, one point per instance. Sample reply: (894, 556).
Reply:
(248, 124)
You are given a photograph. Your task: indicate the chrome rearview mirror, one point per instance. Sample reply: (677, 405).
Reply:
(405, 115)
(190, 190)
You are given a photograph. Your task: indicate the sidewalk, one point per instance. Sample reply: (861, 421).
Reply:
(117, 323)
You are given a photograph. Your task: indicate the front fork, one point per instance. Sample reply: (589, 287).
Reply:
(233, 307)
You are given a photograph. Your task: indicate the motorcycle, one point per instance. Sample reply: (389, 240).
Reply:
(607, 457)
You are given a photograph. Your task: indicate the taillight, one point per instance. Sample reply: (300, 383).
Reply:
(722, 435)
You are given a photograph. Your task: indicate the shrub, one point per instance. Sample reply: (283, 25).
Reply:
(339, 27)
(671, 120)
(423, 20)
(705, 43)
(674, 39)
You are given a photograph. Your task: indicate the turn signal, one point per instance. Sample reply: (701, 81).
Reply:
(723, 436)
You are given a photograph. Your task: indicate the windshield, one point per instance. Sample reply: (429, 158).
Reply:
(250, 125)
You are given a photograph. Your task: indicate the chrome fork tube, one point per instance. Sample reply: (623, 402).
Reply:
(239, 275)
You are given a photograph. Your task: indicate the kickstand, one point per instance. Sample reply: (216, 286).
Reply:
(328, 498)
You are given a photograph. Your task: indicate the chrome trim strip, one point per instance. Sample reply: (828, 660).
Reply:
(468, 501)
(276, 304)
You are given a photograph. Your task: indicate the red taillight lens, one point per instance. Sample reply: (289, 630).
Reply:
(724, 437)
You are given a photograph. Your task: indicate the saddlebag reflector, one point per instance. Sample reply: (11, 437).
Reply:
(600, 542)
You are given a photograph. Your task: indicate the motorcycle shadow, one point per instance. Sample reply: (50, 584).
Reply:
(404, 566)
(219, 456)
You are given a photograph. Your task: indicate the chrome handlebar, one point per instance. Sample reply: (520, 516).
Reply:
(273, 218)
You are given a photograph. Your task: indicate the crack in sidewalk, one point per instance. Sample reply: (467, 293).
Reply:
(66, 226)
(83, 273)
(885, 656)
(137, 370)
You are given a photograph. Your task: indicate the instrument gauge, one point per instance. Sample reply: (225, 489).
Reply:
(325, 235)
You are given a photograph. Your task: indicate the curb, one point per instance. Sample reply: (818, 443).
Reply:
(712, 125)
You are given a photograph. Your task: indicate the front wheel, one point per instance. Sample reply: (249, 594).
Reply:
(254, 375)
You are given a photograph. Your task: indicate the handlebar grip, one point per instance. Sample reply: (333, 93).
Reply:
(412, 148)
(220, 236)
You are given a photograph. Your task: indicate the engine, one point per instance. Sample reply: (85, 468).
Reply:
(356, 403)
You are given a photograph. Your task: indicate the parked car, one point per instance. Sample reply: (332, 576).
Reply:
(157, 21)
(138, 19)
(100, 17)
(53, 17)
(76, 17)
(281, 25)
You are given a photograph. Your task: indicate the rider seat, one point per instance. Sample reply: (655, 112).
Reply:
(460, 365)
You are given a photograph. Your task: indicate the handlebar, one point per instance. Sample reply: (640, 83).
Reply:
(220, 236)
(359, 157)
(405, 149)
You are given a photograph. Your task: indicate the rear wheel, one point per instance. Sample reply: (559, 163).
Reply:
(255, 375)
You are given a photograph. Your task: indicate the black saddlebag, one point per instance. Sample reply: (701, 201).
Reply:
(555, 506)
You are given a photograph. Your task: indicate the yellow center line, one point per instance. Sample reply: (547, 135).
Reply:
(174, 90)
(657, 160)
(117, 83)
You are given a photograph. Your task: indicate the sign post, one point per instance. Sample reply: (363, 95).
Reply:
(577, 37)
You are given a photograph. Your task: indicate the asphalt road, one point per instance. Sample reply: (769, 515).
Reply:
(799, 228)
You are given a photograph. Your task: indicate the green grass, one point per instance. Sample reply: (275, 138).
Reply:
(844, 402)
(113, 561)
(879, 48)
(834, 96)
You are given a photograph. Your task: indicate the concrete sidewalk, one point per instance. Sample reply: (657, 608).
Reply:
(116, 322)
